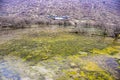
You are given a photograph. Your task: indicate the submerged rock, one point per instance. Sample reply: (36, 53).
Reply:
(83, 53)
(73, 65)
(7, 72)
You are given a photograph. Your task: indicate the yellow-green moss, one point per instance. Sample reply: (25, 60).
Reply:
(86, 75)
(89, 71)
(91, 66)
(44, 45)
(107, 50)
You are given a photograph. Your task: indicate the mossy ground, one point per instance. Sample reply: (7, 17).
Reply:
(66, 47)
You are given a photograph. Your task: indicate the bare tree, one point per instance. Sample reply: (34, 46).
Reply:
(116, 32)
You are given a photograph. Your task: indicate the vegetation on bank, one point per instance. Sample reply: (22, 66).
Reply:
(45, 46)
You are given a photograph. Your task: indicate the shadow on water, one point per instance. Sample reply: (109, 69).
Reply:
(7, 73)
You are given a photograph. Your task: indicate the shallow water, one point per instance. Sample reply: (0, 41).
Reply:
(7, 72)
(15, 69)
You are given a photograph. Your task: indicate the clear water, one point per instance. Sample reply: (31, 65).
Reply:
(7, 72)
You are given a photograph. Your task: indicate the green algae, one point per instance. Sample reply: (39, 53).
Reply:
(44, 45)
